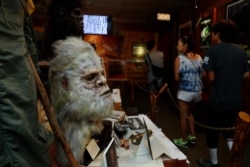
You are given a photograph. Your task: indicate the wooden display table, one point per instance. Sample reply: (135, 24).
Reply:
(131, 158)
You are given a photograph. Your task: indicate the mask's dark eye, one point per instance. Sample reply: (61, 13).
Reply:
(77, 12)
(90, 77)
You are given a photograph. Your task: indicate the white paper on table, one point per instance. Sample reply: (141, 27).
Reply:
(139, 161)
(143, 148)
(93, 149)
(131, 161)
(168, 147)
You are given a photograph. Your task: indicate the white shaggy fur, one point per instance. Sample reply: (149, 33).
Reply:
(79, 93)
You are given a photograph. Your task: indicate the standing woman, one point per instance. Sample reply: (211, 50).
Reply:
(188, 73)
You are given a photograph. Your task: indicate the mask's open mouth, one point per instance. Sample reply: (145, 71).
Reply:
(106, 93)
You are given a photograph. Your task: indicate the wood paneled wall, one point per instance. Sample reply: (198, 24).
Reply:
(106, 46)
(166, 39)
(135, 36)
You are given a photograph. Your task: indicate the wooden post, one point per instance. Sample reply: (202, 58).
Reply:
(51, 117)
(131, 81)
(240, 139)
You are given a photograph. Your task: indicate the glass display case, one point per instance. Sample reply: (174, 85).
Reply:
(205, 33)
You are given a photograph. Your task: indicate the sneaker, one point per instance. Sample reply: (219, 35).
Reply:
(207, 163)
(191, 139)
(179, 142)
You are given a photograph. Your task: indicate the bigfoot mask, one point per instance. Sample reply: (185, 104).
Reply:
(80, 95)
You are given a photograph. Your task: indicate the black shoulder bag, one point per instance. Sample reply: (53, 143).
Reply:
(157, 71)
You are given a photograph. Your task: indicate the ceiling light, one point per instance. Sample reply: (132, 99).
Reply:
(195, 5)
(88, 3)
(163, 16)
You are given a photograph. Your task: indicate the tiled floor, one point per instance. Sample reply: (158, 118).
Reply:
(167, 118)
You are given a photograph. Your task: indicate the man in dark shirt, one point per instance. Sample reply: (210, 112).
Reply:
(226, 67)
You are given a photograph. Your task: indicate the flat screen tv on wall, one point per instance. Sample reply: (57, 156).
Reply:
(96, 24)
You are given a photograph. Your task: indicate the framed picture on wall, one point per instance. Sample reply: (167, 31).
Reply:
(139, 49)
(234, 7)
(185, 28)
